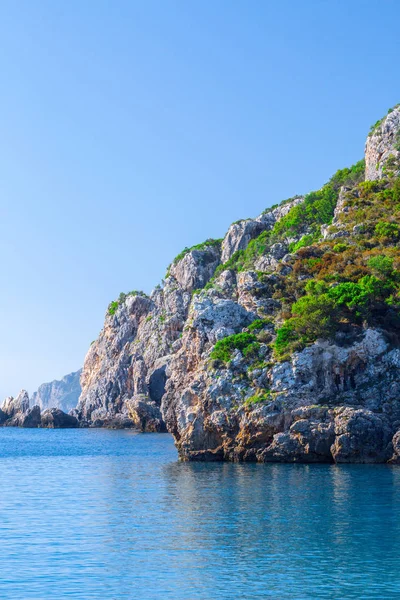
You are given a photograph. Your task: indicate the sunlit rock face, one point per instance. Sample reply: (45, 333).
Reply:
(198, 357)
(382, 148)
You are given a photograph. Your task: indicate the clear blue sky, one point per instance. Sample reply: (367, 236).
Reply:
(131, 129)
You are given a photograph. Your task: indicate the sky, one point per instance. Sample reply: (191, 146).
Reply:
(132, 129)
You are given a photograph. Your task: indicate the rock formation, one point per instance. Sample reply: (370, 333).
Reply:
(16, 412)
(63, 393)
(383, 145)
(279, 342)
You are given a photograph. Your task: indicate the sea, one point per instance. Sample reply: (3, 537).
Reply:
(100, 514)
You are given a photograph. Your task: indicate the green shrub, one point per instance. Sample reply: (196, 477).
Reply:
(317, 209)
(340, 247)
(387, 229)
(284, 337)
(252, 351)
(259, 324)
(349, 176)
(259, 397)
(210, 243)
(306, 240)
(112, 307)
(224, 348)
(382, 265)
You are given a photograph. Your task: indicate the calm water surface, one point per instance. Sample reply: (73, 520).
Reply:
(112, 515)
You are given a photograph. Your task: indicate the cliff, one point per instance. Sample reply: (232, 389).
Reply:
(63, 394)
(279, 342)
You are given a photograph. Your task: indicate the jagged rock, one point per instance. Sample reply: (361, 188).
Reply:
(382, 144)
(63, 394)
(270, 261)
(146, 415)
(196, 268)
(16, 411)
(3, 417)
(361, 437)
(308, 439)
(31, 418)
(13, 406)
(241, 233)
(326, 369)
(54, 418)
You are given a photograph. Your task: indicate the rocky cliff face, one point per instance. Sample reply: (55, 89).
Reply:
(125, 368)
(279, 342)
(382, 149)
(63, 394)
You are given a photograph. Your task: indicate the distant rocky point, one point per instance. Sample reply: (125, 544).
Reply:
(16, 412)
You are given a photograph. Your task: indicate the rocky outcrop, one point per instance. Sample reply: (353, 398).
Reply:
(54, 418)
(146, 415)
(196, 268)
(16, 412)
(382, 149)
(63, 393)
(207, 411)
(130, 356)
(242, 232)
(362, 436)
(332, 398)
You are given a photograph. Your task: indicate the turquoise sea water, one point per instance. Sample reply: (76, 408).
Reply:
(113, 515)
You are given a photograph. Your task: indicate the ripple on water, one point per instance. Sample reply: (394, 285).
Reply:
(111, 514)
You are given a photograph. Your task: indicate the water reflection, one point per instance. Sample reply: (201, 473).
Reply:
(113, 515)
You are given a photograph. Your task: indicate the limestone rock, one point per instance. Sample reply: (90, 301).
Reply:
(336, 400)
(241, 233)
(13, 406)
(146, 415)
(196, 268)
(395, 459)
(63, 393)
(54, 418)
(31, 418)
(308, 439)
(382, 148)
(361, 437)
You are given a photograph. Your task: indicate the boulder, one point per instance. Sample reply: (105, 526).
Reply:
(308, 439)
(31, 418)
(54, 418)
(361, 437)
(146, 415)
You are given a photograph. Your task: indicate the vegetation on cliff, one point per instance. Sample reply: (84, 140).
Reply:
(341, 286)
